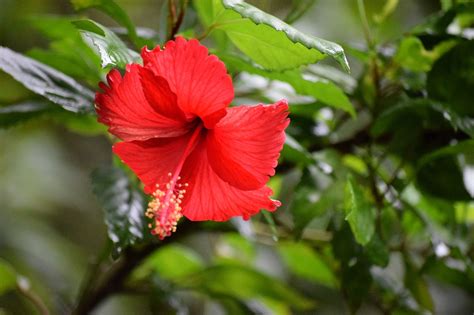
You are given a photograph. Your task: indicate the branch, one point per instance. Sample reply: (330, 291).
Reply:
(113, 279)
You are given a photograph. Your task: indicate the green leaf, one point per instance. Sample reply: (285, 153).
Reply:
(458, 66)
(46, 81)
(412, 55)
(303, 261)
(111, 50)
(269, 41)
(439, 173)
(377, 251)
(113, 10)
(323, 90)
(171, 262)
(7, 277)
(359, 212)
(66, 51)
(418, 286)
(244, 283)
(14, 114)
(123, 205)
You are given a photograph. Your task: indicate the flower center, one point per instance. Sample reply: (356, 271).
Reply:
(165, 207)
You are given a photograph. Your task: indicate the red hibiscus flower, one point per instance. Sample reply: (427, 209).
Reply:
(195, 155)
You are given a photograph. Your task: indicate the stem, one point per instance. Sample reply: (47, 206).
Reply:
(113, 279)
(171, 18)
(365, 23)
(24, 288)
(179, 20)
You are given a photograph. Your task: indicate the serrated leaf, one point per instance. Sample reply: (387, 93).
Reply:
(359, 213)
(323, 90)
(269, 41)
(123, 205)
(46, 81)
(303, 261)
(14, 114)
(113, 10)
(275, 28)
(7, 277)
(108, 46)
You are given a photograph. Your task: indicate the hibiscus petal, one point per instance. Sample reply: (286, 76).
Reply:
(199, 80)
(208, 197)
(245, 145)
(130, 116)
(152, 160)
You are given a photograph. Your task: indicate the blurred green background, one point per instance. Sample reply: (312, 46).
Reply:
(50, 222)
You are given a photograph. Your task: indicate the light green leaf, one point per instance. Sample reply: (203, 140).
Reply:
(123, 206)
(170, 262)
(303, 261)
(359, 212)
(7, 277)
(46, 81)
(113, 10)
(269, 41)
(388, 8)
(323, 90)
(412, 54)
(111, 50)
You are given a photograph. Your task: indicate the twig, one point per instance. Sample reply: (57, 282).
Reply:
(24, 288)
(179, 20)
(112, 281)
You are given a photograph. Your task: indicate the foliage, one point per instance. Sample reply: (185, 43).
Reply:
(376, 177)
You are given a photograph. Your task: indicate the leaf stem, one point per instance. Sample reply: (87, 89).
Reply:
(24, 288)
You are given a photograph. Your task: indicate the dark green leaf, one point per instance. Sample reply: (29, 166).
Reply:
(303, 261)
(359, 212)
(113, 10)
(441, 271)
(106, 44)
(46, 81)
(439, 172)
(377, 251)
(123, 205)
(323, 90)
(7, 277)
(18, 113)
(458, 66)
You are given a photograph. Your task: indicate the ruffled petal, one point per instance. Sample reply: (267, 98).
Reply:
(154, 159)
(208, 197)
(245, 145)
(131, 115)
(199, 80)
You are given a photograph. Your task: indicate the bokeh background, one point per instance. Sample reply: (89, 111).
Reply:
(50, 222)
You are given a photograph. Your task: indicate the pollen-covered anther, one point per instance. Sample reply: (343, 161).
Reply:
(165, 208)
